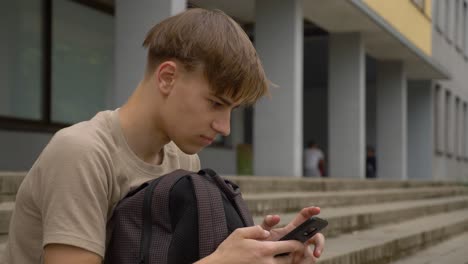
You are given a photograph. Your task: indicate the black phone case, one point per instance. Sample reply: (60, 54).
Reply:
(306, 230)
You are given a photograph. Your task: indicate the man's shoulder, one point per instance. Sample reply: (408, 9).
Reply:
(85, 138)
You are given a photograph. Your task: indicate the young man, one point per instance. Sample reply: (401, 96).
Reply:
(200, 66)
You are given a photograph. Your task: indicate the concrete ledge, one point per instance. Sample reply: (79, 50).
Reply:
(257, 184)
(389, 243)
(356, 218)
(3, 240)
(451, 251)
(6, 209)
(10, 182)
(277, 203)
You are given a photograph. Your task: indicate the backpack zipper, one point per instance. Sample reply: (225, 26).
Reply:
(147, 224)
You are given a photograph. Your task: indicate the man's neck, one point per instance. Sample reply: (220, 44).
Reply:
(140, 128)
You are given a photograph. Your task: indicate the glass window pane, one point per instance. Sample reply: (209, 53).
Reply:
(21, 58)
(82, 61)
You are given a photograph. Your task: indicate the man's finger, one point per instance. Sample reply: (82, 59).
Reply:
(270, 221)
(252, 232)
(319, 243)
(304, 214)
(280, 247)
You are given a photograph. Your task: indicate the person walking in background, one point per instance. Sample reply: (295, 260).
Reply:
(314, 161)
(371, 163)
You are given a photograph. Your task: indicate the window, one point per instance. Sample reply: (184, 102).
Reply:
(21, 59)
(465, 28)
(464, 131)
(449, 17)
(439, 11)
(457, 126)
(448, 123)
(82, 61)
(56, 62)
(438, 128)
(458, 25)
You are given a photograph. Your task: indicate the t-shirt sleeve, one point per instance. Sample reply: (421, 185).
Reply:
(73, 193)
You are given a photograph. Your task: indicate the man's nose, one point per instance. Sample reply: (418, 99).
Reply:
(222, 125)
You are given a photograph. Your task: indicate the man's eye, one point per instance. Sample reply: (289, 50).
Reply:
(215, 104)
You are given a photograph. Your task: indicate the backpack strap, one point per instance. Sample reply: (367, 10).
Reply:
(212, 225)
(160, 214)
(233, 193)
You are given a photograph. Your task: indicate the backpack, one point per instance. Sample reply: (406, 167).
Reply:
(179, 217)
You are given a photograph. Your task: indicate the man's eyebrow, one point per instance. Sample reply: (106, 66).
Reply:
(224, 100)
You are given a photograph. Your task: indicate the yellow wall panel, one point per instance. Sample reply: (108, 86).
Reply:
(405, 17)
(428, 9)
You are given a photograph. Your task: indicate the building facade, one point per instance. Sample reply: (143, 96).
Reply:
(349, 73)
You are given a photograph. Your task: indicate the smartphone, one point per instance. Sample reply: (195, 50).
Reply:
(305, 231)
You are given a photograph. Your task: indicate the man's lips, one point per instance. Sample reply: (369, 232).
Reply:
(207, 140)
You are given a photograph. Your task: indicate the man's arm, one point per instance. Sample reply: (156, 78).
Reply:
(59, 254)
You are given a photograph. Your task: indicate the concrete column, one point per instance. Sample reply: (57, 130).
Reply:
(132, 22)
(391, 121)
(421, 116)
(277, 136)
(346, 108)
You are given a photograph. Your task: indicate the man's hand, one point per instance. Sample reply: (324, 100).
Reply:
(247, 245)
(318, 240)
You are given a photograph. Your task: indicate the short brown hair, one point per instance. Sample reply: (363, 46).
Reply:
(214, 41)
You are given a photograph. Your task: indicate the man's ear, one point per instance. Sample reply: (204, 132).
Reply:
(165, 75)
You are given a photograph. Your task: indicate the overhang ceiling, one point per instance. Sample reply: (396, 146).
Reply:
(381, 40)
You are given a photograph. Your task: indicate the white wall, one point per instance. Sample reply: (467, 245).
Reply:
(445, 53)
(420, 130)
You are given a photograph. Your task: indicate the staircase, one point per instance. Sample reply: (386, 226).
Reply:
(370, 221)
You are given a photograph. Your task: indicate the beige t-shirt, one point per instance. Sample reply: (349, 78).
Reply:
(70, 192)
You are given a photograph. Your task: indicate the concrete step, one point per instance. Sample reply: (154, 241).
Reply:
(354, 218)
(261, 184)
(9, 184)
(391, 242)
(3, 240)
(6, 209)
(10, 181)
(452, 251)
(278, 203)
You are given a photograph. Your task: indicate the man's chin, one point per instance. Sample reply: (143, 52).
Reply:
(190, 150)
